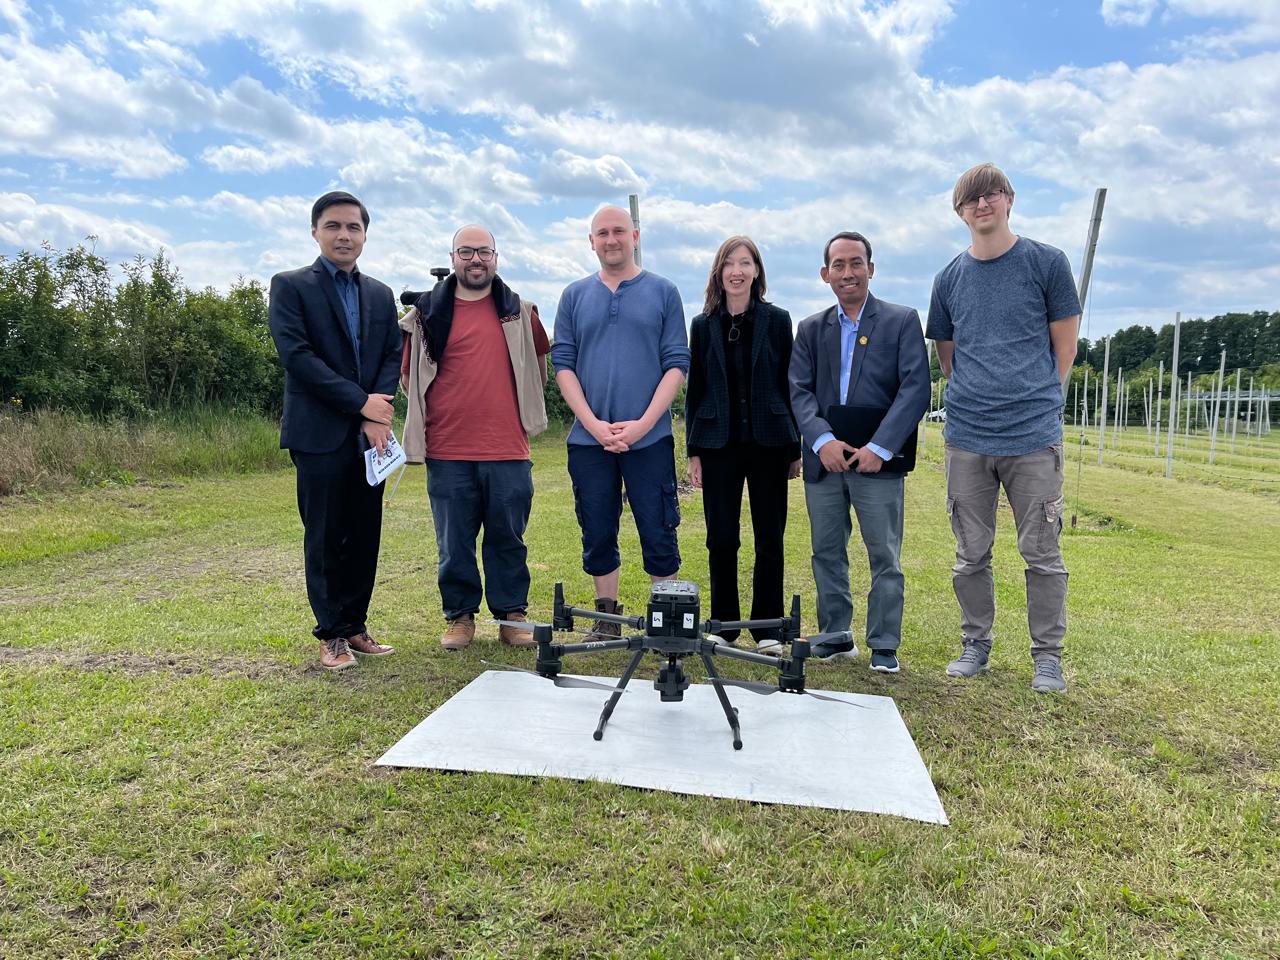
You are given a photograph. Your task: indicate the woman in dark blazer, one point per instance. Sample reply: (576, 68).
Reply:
(739, 428)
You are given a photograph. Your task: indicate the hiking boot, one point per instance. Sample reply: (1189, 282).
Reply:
(459, 633)
(366, 646)
(516, 636)
(336, 655)
(769, 646)
(602, 629)
(970, 663)
(885, 661)
(1048, 676)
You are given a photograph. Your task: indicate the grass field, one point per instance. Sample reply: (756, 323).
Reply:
(179, 779)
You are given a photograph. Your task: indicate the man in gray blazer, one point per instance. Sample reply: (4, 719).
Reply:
(867, 353)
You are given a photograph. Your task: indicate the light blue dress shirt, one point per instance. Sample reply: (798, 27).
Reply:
(848, 343)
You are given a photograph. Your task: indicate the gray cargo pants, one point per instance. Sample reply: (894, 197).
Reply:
(1033, 484)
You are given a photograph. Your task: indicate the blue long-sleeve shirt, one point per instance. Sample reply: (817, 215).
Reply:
(620, 344)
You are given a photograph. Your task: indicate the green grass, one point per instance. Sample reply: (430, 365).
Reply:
(179, 779)
(50, 450)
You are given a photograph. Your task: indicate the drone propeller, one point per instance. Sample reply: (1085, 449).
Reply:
(518, 624)
(559, 680)
(764, 689)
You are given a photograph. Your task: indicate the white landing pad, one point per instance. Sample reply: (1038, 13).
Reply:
(795, 750)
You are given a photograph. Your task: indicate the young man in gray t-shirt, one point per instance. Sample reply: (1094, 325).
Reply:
(1004, 316)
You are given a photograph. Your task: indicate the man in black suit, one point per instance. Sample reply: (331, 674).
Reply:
(868, 353)
(336, 333)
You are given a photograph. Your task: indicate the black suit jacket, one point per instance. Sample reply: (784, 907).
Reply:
(323, 390)
(706, 408)
(890, 370)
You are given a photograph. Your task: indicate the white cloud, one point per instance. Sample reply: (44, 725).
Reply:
(1128, 13)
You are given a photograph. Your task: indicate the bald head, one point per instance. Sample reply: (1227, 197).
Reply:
(476, 236)
(613, 238)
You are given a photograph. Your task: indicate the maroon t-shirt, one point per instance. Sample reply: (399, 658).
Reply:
(471, 408)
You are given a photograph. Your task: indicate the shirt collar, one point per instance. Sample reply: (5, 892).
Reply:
(844, 317)
(334, 270)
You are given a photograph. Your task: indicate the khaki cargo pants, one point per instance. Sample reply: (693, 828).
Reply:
(1033, 485)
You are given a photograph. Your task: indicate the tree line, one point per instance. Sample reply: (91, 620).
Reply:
(72, 338)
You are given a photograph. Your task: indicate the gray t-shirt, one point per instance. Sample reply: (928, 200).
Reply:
(1004, 398)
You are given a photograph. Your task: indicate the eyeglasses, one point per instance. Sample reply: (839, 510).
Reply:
(990, 196)
(484, 253)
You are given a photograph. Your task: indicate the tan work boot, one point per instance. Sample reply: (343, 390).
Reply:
(516, 636)
(366, 646)
(336, 655)
(603, 629)
(459, 633)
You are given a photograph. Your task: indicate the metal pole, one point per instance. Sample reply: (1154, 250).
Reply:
(1091, 245)
(1173, 398)
(1115, 426)
(1102, 416)
(1083, 412)
(1159, 405)
(1186, 436)
(1217, 405)
(1248, 411)
(635, 222)
(1235, 412)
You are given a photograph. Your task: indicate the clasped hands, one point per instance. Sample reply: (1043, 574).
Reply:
(838, 457)
(618, 437)
(377, 412)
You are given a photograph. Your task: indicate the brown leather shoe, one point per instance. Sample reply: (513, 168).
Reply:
(336, 655)
(459, 633)
(366, 646)
(603, 629)
(516, 636)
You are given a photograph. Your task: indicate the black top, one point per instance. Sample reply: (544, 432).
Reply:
(753, 367)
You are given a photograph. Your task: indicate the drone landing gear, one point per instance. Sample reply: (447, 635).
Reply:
(671, 685)
(730, 711)
(617, 694)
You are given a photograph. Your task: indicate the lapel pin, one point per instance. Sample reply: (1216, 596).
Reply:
(862, 341)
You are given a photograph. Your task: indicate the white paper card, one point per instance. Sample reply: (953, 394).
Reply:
(377, 467)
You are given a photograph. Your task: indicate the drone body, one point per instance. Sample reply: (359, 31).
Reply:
(672, 629)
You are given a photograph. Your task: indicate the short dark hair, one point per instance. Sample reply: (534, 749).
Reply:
(844, 235)
(333, 198)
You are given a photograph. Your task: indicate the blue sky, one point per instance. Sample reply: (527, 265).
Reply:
(206, 129)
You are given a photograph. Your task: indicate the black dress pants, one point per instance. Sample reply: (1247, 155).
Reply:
(342, 529)
(764, 470)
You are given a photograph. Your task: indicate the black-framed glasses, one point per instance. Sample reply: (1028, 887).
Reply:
(991, 196)
(484, 253)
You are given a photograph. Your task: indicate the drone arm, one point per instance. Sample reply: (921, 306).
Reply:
(599, 646)
(711, 647)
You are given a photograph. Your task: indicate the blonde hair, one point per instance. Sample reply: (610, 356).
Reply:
(978, 180)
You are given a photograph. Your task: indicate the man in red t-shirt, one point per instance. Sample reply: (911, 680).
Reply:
(474, 367)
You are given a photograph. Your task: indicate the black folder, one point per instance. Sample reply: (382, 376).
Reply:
(856, 425)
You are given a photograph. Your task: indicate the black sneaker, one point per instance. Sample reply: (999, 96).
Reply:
(884, 661)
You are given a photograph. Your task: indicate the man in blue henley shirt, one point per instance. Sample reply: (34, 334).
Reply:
(620, 354)
(1005, 316)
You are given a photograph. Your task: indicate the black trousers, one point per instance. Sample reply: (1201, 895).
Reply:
(764, 470)
(342, 529)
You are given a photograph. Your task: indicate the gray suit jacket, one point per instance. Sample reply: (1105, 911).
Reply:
(890, 370)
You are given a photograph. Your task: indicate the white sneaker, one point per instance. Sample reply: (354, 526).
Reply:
(771, 648)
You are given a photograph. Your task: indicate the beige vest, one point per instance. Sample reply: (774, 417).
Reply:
(530, 373)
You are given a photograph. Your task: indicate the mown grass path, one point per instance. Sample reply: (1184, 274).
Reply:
(178, 778)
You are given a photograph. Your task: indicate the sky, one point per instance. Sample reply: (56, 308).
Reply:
(206, 130)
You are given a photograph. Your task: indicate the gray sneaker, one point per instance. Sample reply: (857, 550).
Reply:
(970, 663)
(1048, 676)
